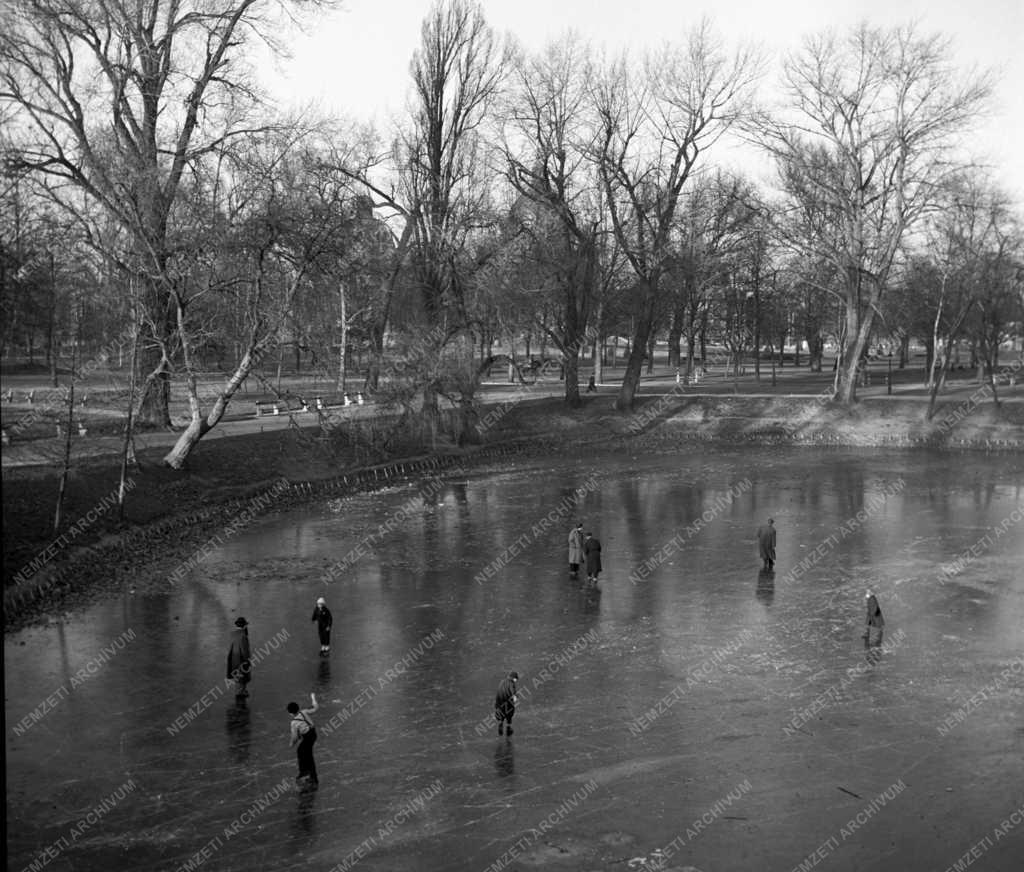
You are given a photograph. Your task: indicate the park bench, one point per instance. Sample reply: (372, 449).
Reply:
(318, 403)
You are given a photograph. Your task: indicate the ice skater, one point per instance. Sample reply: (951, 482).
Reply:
(324, 622)
(505, 701)
(592, 552)
(575, 549)
(239, 662)
(766, 543)
(874, 622)
(304, 735)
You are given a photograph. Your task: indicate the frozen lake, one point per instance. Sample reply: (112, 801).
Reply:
(691, 705)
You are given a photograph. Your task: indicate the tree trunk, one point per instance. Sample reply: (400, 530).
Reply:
(67, 445)
(675, 336)
(154, 407)
(857, 332)
(51, 325)
(200, 425)
(342, 339)
(641, 334)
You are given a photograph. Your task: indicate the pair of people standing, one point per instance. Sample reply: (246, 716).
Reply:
(584, 549)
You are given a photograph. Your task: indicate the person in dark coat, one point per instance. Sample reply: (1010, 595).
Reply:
(324, 622)
(592, 552)
(766, 543)
(575, 549)
(875, 623)
(239, 663)
(304, 735)
(505, 701)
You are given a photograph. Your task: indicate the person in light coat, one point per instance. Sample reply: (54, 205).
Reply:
(575, 549)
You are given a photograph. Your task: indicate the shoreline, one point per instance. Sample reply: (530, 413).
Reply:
(121, 553)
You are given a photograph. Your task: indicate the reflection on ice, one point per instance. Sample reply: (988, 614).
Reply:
(685, 688)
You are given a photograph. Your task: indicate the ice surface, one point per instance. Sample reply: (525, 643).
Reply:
(644, 704)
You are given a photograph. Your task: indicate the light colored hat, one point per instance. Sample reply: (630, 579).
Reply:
(321, 601)
(868, 595)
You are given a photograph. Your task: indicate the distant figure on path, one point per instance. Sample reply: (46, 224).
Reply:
(591, 386)
(505, 701)
(875, 623)
(575, 549)
(324, 622)
(766, 543)
(304, 735)
(239, 663)
(592, 550)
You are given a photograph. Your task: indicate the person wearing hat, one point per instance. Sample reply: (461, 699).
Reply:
(505, 701)
(239, 662)
(324, 622)
(874, 619)
(575, 549)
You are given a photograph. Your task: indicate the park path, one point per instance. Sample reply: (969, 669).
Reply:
(790, 384)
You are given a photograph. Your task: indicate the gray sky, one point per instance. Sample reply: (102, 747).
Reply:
(355, 61)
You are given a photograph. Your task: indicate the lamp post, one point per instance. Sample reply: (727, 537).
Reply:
(888, 379)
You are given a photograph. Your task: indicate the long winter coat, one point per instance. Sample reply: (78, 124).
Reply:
(324, 622)
(575, 547)
(505, 700)
(592, 549)
(766, 542)
(874, 618)
(239, 664)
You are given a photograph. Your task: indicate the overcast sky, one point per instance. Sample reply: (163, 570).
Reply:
(355, 61)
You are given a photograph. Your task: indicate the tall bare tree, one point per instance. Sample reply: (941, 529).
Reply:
(121, 100)
(549, 139)
(863, 147)
(457, 72)
(656, 122)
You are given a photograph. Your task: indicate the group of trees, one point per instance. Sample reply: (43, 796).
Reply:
(559, 194)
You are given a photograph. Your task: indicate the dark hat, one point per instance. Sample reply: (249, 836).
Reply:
(241, 622)
(514, 676)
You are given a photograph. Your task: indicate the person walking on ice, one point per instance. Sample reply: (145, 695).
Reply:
(324, 622)
(304, 735)
(592, 551)
(575, 549)
(766, 543)
(505, 701)
(239, 660)
(875, 623)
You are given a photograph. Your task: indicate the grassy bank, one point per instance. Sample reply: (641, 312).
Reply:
(170, 514)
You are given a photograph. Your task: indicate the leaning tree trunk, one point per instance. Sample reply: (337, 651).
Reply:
(199, 425)
(859, 319)
(641, 335)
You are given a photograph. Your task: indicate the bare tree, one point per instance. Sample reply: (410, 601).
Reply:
(121, 100)
(655, 124)
(457, 72)
(862, 152)
(549, 141)
(273, 223)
